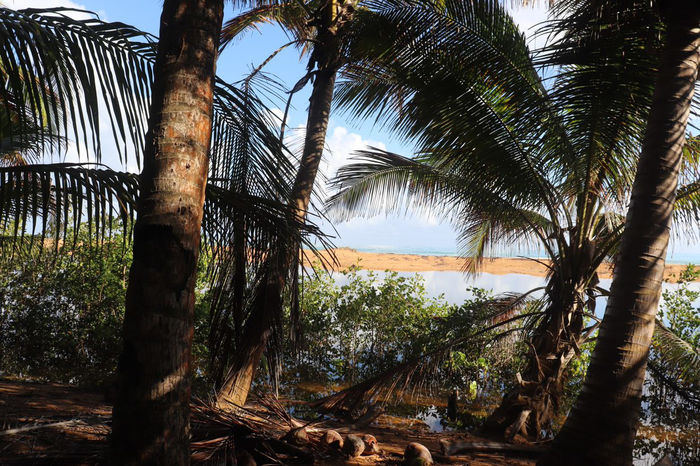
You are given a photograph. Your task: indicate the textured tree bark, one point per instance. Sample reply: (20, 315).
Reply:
(151, 413)
(601, 427)
(268, 304)
(530, 407)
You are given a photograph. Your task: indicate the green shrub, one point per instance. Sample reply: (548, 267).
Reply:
(370, 323)
(61, 312)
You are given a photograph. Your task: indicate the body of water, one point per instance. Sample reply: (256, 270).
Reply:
(454, 287)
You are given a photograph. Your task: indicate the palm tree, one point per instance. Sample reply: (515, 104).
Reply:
(321, 28)
(150, 419)
(507, 161)
(607, 409)
(49, 65)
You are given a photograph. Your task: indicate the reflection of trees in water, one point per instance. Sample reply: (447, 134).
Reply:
(670, 425)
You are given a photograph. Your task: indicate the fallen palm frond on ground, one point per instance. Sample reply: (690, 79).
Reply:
(258, 432)
(61, 424)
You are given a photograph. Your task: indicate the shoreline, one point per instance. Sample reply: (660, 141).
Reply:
(397, 262)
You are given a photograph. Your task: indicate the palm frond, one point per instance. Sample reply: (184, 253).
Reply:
(413, 373)
(51, 197)
(604, 86)
(686, 215)
(290, 15)
(44, 197)
(676, 356)
(63, 69)
(380, 181)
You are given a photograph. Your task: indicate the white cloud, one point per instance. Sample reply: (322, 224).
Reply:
(339, 149)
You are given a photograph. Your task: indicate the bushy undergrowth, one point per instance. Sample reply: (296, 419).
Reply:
(361, 324)
(61, 311)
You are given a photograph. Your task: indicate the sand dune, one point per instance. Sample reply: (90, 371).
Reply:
(414, 263)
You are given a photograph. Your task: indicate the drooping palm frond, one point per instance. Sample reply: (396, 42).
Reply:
(292, 16)
(381, 181)
(686, 215)
(676, 364)
(63, 69)
(675, 351)
(246, 153)
(47, 197)
(43, 197)
(506, 315)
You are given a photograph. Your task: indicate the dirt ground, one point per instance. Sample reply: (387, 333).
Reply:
(81, 438)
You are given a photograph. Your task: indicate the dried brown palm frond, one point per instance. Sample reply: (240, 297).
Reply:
(220, 436)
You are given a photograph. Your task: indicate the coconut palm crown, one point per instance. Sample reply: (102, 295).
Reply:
(511, 159)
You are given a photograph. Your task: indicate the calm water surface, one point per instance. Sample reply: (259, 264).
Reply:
(454, 286)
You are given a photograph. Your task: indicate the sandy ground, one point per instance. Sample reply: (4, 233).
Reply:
(347, 257)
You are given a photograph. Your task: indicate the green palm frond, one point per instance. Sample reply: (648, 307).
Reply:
(380, 181)
(676, 363)
(461, 57)
(604, 86)
(686, 215)
(678, 353)
(245, 146)
(290, 15)
(63, 69)
(467, 94)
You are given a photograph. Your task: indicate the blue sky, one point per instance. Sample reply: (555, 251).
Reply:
(393, 233)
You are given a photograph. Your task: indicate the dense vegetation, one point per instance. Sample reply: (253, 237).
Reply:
(62, 310)
(354, 326)
(592, 164)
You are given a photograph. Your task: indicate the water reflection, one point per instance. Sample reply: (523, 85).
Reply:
(454, 286)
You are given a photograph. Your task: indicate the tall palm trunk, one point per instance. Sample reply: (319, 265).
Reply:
(267, 305)
(151, 414)
(601, 427)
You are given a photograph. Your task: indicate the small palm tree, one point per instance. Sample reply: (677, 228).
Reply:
(509, 162)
